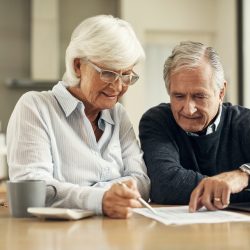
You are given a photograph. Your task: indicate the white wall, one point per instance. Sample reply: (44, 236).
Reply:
(167, 22)
(226, 44)
(246, 52)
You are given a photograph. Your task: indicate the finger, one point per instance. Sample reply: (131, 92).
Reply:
(121, 197)
(222, 195)
(113, 206)
(117, 201)
(119, 212)
(122, 190)
(194, 199)
(226, 197)
(199, 204)
(131, 183)
(132, 203)
(217, 199)
(208, 196)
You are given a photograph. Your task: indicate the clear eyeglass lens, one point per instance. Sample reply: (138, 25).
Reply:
(110, 77)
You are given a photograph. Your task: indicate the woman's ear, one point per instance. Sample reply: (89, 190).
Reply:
(77, 67)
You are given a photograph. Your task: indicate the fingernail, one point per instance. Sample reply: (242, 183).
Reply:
(191, 210)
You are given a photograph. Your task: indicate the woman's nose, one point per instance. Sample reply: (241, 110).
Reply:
(118, 84)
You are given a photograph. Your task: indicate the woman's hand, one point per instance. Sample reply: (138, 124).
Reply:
(119, 200)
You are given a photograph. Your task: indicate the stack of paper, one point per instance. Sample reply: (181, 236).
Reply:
(180, 215)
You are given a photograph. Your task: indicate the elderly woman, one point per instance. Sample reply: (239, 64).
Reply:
(77, 136)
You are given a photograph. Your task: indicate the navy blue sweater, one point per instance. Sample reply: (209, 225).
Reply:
(176, 162)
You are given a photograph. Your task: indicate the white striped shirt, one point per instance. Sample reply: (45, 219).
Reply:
(49, 137)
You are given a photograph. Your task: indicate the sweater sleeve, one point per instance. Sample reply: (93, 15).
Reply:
(171, 183)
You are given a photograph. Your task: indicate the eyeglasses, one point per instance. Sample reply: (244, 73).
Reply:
(111, 76)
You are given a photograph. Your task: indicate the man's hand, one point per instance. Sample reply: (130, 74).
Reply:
(214, 192)
(120, 198)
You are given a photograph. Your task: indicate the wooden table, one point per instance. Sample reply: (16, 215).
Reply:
(136, 233)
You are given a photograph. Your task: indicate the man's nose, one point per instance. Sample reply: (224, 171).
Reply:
(190, 107)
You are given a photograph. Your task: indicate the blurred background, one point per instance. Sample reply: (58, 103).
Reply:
(35, 33)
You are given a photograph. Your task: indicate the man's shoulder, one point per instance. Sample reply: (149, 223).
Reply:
(160, 110)
(159, 117)
(236, 116)
(235, 111)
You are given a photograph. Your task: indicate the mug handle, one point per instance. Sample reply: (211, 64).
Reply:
(51, 200)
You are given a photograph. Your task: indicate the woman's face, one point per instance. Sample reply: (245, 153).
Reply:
(94, 92)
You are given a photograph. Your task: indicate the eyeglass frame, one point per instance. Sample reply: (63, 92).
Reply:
(118, 75)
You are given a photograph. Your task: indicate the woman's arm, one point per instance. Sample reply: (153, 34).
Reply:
(132, 156)
(29, 155)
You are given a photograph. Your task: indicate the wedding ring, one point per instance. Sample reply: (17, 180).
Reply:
(217, 199)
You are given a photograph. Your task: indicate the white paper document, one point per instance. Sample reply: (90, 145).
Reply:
(180, 215)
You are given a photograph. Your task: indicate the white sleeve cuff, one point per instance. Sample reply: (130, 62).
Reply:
(94, 201)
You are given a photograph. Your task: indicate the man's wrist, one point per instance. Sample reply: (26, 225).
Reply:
(245, 169)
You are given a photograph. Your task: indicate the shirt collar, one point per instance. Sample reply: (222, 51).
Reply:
(69, 103)
(105, 115)
(212, 127)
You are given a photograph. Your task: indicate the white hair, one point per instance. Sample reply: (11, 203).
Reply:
(188, 55)
(103, 39)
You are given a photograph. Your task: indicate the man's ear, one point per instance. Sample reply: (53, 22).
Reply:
(223, 91)
(77, 67)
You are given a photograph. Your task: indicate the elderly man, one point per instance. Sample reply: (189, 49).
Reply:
(196, 148)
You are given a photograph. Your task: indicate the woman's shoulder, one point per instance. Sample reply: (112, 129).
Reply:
(118, 109)
(33, 97)
(35, 100)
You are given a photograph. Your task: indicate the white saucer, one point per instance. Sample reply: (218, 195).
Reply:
(60, 213)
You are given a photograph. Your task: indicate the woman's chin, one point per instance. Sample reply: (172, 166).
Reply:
(109, 104)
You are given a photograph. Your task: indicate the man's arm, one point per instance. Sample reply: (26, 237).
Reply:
(171, 183)
(214, 192)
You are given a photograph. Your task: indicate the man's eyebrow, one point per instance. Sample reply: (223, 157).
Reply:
(177, 93)
(201, 93)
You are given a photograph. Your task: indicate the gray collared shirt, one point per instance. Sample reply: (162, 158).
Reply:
(49, 137)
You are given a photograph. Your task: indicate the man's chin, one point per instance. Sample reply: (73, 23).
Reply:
(191, 129)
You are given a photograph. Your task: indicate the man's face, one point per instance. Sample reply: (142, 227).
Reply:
(194, 97)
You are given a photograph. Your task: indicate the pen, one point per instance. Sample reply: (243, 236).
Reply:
(143, 202)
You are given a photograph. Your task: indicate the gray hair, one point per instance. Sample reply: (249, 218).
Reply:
(188, 55)
(106, 40)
